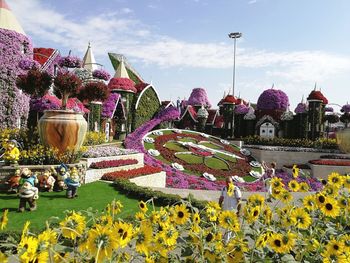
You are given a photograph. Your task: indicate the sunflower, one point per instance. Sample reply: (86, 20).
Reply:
(295, 171)
(313, 244)
(101, 242)
(25, 229)
(123, 233)
(4, 219)
(256, 200)
(330, 207)
(211, 214)
(27, 248)
(300, 218)
(196, 219)
(267, 215)
(143, 206)
(143, 238)
(320, 199)
(228, 219)
(169, 235)
(294, 185)
(49, 237)
(304, 187)
(181, 214)
(261, 241)
(276, 243)
(345, 239)
(346, 181)
(114, 207)
(214, 205)
(335, 247)
(335, 179)
(3, 257)
(140, 216)
(276, 182)
(286, 197)
(309, 202)
(154, 217)
(330, 257)
(73, 226)
(251, 213)
(330, 190)
(276, 192)
(230, 189)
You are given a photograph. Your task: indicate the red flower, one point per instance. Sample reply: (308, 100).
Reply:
(113, 163)
(127, 174)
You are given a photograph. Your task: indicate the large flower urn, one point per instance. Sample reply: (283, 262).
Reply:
(343, 140)
(62, 129)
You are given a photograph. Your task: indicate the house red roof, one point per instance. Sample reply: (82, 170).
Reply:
(122, 84)
(192, 112)
(219, 122)
(41, 55)
(229, 99)
(211, 116)
(317, 95)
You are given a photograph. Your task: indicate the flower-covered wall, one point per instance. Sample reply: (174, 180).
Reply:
(148, 105)
(14, 47)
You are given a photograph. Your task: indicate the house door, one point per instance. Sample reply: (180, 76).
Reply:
(267, 130)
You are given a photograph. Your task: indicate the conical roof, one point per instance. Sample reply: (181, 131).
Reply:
(121, 71)
(89, 61)
(8, 20)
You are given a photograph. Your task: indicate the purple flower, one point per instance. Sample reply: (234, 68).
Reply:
(273, 99)
(199, 97)
(70, 62)
(345, 108)
(109, 105)
(301, 108)
(101, 74)
(241, 109)
(28, 63)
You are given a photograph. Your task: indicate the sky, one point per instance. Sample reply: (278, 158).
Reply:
(178, 45)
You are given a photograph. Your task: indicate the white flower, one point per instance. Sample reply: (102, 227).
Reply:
(157, 133)
(148, 140)
(224, 142)
(177, 131)
(255, 164)
(177, 166)
(210, 177)
(153, 152)
(255, 174)
(245, 152)
(204, 135)
(238, 179)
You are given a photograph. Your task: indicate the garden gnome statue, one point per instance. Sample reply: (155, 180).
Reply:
(60, 176)
(11, 155)
(27, 176)
(46, 181)
(13, 182)
(72, 182)
(27, 194)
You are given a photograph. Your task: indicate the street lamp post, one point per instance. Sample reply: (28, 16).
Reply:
(234, 35)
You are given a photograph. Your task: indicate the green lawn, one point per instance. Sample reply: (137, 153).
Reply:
(96, 195)
(190, 158)
(215, 163)
(175, 147)
(211, 145)
(226, 157)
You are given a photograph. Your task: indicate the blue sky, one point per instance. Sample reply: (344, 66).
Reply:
(183, 44)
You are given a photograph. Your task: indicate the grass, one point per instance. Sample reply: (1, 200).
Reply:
(95, 195)
(249, 178)
(211, 145)
(175, 147)
(226, 157)
(190, 158)
(215, 163)
(187, 140)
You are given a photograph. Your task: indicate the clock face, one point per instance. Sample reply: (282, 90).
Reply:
(200, 154)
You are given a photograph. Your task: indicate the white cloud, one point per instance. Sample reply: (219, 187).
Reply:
(116, 32)
(252, 2)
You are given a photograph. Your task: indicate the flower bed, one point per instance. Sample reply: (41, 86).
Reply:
(300, 166)
(330, 162)
(113, 163)
(333, 156)
(314, 183)
(105, 151)
(131, 173)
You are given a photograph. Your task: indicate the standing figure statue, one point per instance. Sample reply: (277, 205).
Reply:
(28, 176)
(13, 182)
(46, 181)
(72, 182)
(12, 153)
(27, 194)
(60, 176)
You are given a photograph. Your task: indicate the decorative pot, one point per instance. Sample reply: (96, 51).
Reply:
(343, 140)
(62, 129)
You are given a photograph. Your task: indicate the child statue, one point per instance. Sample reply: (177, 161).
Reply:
(13, 182)
(72, 182)
(27, 194)
(46, 181)
(12, 153)
(28, 176)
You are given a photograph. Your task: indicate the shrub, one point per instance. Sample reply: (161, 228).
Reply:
(127, 174)
(94, 138)
(35, 82)
(113, 163)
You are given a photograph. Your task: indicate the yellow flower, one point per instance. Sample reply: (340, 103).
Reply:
(230, 189)
(169, 235)
(330, 190)
(181, 214)
(295, 171)
(267, 215)
(143, 206)
(214, 205)
(294, 185)
(4, 219)
(276, 182)
(25, 229)
(300, 218)
(256, 200)
(282, 243)
(330, 207)
(73, 226)
(335, 179)
(313, 244)
(261, 241)
(196, 219)
(3, 257)
(27, 248)
(276, 192)
(286, 196)
(124, 233)
(320, 199)
(251, 213)
(143, 238)
(229, 220)
(114, 207)
(309, 202)
(346, 181)
(345, 239)
(48, 237)
(140, 216)
(335, 247)
(101, 242)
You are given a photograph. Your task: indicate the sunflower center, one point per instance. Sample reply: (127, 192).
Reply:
(277, 242)
(321, 198)
(329, 207)
(255, 213)
(142, 206)
(209, 237)
(180, 214)
(125, 235)
(336, 247)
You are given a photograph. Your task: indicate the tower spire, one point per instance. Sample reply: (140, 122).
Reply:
(121, 70)
(89, 61)
(8, 20)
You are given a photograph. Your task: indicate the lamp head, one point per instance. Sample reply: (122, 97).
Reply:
(235, 35)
